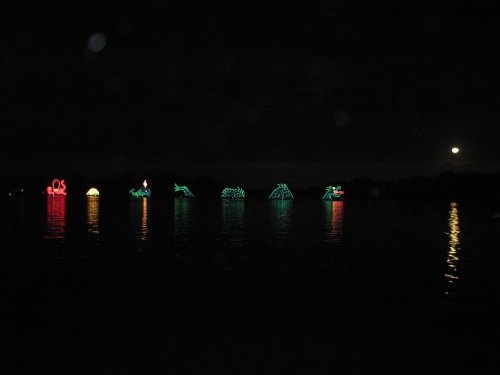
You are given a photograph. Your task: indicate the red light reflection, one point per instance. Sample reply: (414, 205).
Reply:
(335, 220)
(56, 218)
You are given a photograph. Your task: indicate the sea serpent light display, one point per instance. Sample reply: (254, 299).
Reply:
(231, 193)
(333, 192)
(142, 192)
(184, 189)
(281, 192)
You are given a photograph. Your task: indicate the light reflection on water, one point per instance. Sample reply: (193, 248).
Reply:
(334, 219)
(233, 222)
(183, 209)
(140, 217)
(281, 217)
(268, 234)
(182, 216)
(454, 244)
(384, 291)
(93, 215)
(232, 235)
(56, 218)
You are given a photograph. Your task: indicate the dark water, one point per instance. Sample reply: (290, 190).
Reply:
(129, 286)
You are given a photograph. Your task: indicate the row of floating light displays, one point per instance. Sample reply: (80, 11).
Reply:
(281, 192)
(233, 216)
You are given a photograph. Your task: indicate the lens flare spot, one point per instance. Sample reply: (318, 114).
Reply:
(97, 42)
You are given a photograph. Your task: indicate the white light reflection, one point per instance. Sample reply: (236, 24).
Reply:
(454, 244)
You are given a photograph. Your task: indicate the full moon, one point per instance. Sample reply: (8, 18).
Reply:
(455, 150)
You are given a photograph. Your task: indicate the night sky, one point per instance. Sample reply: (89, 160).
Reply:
(250, 92)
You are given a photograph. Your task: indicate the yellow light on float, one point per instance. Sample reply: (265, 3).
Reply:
(93, 192)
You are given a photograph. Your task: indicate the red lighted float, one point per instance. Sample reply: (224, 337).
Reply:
(58, 188)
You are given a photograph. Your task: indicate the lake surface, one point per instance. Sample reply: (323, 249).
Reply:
(127, 286)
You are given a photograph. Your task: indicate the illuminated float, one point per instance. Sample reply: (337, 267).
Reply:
(57, 189)
(281, 192)
(93, 192)
(233, 193)
(184, 189)
(142, 192)
(333, 193)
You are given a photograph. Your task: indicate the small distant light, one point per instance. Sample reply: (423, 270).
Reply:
(342, 119)
(375, 192)
(455, 150)
(97, 42)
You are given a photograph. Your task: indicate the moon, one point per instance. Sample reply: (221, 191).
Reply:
(455, 150)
